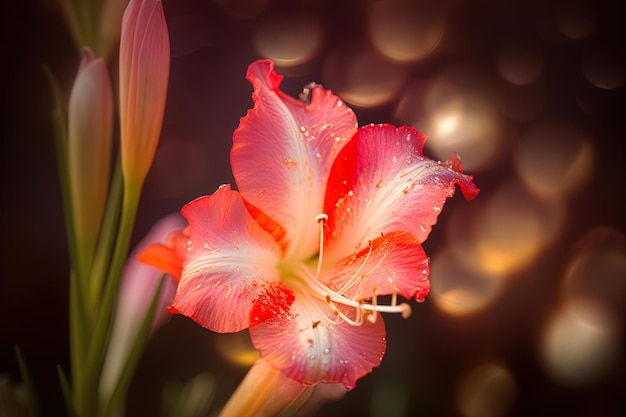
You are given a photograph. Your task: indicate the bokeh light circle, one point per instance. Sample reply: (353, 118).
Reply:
(519, 64)
(554, 158)
(458, 290)
(580, 344)
(504, 233)
(362, 77)
(597, 270)
(237, 348)
(604, 67)
(489, 390)
(456, 120)
(575, 19)
(405, 31)
(288, 40)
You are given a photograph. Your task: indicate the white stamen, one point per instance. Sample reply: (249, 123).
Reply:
(321, 219)
(355, 276)
(311, 287)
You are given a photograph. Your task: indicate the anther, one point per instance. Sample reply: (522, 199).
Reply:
(321, 218)
(406, 310)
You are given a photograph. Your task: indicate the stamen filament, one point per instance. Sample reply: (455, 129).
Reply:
(321, 219)
(351, 282)
(403, 308)
(312, 284)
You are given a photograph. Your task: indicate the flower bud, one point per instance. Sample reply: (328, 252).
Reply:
(144, 73)
(90, 124)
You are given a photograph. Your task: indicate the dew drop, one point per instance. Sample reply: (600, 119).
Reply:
(318, 155)
(326, 351)
(350, 193)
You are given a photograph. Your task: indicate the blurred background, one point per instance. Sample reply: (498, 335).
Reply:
(527, 314)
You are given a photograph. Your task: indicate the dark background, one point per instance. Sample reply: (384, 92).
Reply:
(550, 201)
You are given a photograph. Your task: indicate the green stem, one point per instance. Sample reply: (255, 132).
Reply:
(105, 244)
(98, 342)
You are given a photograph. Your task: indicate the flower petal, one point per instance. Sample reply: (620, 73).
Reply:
(393, 264)
(168, 257)
(230, 261)
(383, 183)
(310, 348)
(283, 151)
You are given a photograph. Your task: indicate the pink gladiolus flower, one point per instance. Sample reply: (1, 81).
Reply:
(327, 219)
(144, 73)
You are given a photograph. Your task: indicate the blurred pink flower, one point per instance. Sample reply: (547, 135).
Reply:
(327, 219)
(90, 126)
(144, 73)
(138, 285)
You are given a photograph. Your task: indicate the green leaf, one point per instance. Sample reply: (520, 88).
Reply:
(67, 393)
(33, 401)
(107, 235)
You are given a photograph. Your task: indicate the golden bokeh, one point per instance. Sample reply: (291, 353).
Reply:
(458, 290)
(597, 270)
(505, 232)
(288, 40)
(580, 344)
(488, 390)
(237, 348)
(519, 64)
(406, 31)
(362, 77)
(456, 121)
(555, 158)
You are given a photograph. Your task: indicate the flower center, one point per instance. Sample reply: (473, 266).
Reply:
(365, 306)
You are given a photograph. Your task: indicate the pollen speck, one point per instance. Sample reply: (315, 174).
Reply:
(290, 163)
